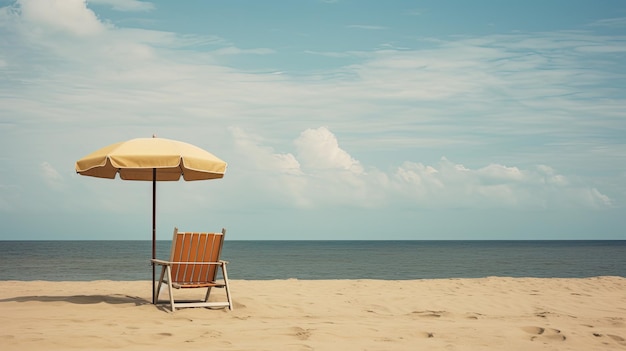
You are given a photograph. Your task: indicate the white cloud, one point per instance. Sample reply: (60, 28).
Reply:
(271, 177)
(498, 173)
(69, 16)
(318, 149)
(618, 22)
(323, 174)
(599, 199)
(264, 157)
(452, 185)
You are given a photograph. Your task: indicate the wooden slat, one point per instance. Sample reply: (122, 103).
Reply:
(202, 272)
(181, 272)
(209, 254)
(215, 255)
(196, 255)
(177, 246)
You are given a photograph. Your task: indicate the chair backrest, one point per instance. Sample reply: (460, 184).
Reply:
(195, 248)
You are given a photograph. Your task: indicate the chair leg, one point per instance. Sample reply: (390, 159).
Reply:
(169, 287)
(208, 292)
(230, 301)
(156, 299)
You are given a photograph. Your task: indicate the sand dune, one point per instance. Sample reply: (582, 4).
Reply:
(442, 314)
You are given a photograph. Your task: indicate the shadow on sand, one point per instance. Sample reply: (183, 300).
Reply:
(114, 299)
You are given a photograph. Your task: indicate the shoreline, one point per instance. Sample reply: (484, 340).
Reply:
(294, 314)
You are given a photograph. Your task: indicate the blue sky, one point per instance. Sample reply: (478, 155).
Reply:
(338, 119)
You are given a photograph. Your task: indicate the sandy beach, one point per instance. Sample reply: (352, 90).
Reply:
(441, 314)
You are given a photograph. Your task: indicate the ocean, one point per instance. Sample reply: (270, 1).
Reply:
(265, 260)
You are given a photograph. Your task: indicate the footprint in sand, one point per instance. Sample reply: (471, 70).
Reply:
(425, 334)
(473, 315)
(238, 305)
(428, 314)
(301, 333)
(544, 334)
(616, 321)
(617, 338)
(208, 334)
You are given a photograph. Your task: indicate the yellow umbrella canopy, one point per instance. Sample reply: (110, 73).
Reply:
(152, 159)
(135, 160)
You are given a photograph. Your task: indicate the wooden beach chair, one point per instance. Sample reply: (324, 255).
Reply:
(194, 263)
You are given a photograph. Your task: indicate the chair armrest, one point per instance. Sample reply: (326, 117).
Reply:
(169, 263)
(224, 262)
(161, 262)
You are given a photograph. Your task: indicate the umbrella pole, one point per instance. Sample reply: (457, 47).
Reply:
(153, 232)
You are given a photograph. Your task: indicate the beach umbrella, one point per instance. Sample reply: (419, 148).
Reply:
(152, 159)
